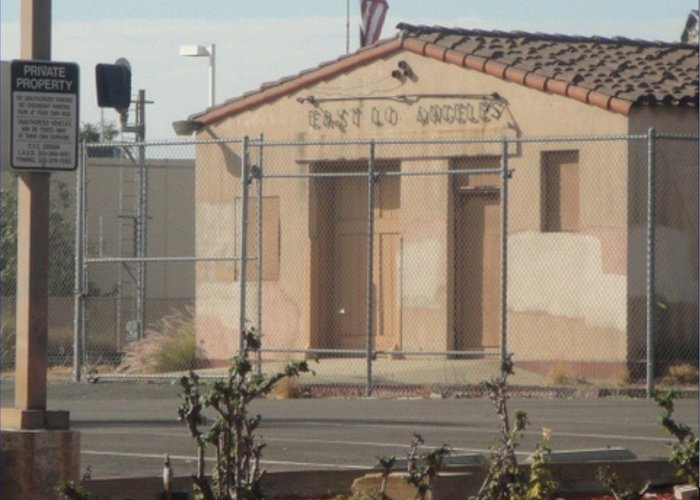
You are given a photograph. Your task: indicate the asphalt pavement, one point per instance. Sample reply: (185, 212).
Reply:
(127, 427)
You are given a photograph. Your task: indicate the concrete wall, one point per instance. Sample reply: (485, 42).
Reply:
(170, 224)
(35, 462)
(170, 227)
(567, 291)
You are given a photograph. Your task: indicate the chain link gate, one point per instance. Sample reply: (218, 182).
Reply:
(338, 250)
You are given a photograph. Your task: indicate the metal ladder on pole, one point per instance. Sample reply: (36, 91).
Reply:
(133, 212)
(127, 273)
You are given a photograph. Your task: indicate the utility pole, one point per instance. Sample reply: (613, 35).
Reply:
(141, 216)
(32, 259)
(38, 451)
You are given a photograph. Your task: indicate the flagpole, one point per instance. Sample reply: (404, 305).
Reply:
(347, 26)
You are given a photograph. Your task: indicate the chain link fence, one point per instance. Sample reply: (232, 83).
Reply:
(62, 218)
(406, 266)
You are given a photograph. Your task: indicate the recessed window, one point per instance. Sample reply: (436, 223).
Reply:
(560, 191)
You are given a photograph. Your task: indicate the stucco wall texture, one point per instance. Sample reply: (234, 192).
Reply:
(572, 296)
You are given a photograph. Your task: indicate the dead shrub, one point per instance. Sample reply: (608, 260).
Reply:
(622, 377)
(561, 374)
(427, 390)
(286, 388)
(681, 374)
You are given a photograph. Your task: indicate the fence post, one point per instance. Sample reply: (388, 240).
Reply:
(84, 267)
(650, 264)
(78, 262)
(505, 176)
(142, 214)
(370, 260)
(259, 177)
(243, 250)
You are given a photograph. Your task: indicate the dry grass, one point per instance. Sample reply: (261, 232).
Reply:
(286, 388)
(396, 353)
(426, 390)
(167, 346)
(561, 374)
(622, 377)
(681, 374)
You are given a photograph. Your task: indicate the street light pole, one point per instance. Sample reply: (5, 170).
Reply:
(212, 72)
(202, 51)
(347, 26)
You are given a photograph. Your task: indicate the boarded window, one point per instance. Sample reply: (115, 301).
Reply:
(270, 236)
(560, 191)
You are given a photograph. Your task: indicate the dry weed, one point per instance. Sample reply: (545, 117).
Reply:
(622, 377)
(396, 353)
(168, 345)
(426, 390)
(561, 374)
(681, 374)
(286, 388)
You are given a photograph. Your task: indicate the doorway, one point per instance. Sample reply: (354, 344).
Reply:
(477, 257)
(343, 245)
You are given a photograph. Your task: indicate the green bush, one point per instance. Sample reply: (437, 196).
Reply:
(61, 238)
(505, 478)
(7, 343)
(685, 451)
(237, 469)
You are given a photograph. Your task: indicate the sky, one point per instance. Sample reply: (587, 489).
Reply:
(264, 40)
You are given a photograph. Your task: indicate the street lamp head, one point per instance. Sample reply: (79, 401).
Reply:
(203, 51)
(194, 51)
(186, 127)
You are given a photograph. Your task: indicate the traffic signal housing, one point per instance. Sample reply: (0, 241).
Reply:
(114, 85)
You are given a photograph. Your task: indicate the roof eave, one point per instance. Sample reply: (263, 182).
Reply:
(421, 47)
(264, 96)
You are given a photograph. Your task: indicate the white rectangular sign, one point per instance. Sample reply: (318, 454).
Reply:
(44, 123)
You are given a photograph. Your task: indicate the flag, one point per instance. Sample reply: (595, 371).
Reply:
(373, 13)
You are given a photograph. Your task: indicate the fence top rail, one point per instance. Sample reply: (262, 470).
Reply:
(677, 137)
(118, 260)
(259, 142)
(175, 142)
(365, 173)
(448, 140)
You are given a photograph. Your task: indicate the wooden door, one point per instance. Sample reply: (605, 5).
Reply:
(477, 267)
(387, 264)
(349, 282)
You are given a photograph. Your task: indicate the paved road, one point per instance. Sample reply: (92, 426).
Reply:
(127, 427)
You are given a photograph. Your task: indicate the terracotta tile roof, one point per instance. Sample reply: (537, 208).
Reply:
(635, 71)
(611, 73)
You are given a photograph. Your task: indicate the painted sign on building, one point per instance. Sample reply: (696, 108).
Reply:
(442, 113)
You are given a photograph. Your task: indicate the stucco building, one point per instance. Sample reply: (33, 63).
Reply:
(577, 209)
